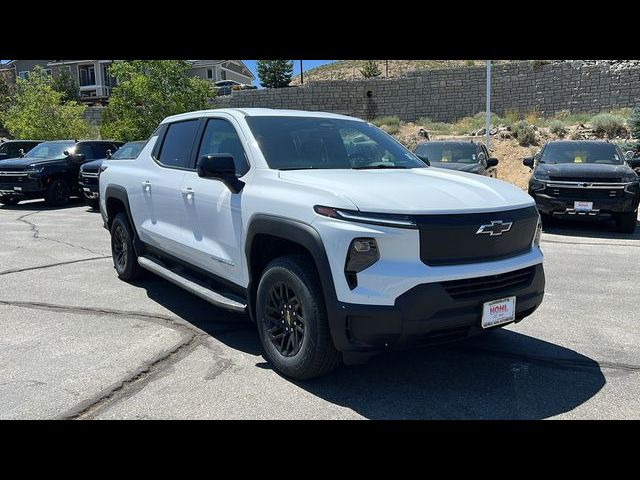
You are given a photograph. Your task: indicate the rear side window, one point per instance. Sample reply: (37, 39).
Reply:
(101, 149)
(221, 137)
(177, 144)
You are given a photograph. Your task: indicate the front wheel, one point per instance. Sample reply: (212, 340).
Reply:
(124, 256)
(58, 193)
(626, 222)
(292, 319)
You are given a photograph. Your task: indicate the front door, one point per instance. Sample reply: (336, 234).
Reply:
(213, 212)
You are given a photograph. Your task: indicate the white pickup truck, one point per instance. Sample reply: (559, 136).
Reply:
(335, 239)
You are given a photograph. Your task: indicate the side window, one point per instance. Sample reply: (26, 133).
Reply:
(101, 149)
(86, 150)
(220, 137)
(178, 141)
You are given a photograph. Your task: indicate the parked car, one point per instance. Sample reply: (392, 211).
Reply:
(90, 171)
(265, 211)
(49, 171)
(584, 179)
(455, 155)
(16, 148)
(225, 87)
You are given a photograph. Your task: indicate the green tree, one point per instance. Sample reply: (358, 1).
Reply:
(274, 73)
(147, 92)
(66, 84)
(6, 95)
(371, 69)
(39, 112)
(634, 123)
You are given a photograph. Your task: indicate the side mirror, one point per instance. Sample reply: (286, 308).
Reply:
(528, 162)
(492, 162)
(109, 154)
(21, 152)
(629, 154)
(220, 166)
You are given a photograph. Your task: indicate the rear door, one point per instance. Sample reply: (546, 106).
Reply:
(159, 202)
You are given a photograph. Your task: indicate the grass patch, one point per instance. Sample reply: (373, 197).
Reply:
(389, 121)
(441, 128)
(608, 125)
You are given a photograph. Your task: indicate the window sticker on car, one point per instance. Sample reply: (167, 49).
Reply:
(579, 158)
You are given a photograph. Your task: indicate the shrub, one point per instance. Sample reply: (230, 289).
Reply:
(525, 133)
(634, 123)
(606, 124)
(511, 117)
(391, 129)
(470, 63)
(532, 117)
(558, 128)
(395, 121)
(430, 125)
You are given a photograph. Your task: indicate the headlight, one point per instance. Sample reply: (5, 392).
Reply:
(363, 252)
(34, 171)
(384, 219)
(538, 234)
(541, 176)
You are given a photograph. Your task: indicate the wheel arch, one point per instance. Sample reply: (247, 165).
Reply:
(116, 201)
(294, 237)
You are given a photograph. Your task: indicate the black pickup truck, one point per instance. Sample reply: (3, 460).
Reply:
(49, 171)
(90, 171)
(584, 180)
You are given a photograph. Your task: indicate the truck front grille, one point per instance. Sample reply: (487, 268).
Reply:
(490, 285)
(455, 239)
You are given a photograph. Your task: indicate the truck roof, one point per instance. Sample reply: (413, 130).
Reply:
(258, 112)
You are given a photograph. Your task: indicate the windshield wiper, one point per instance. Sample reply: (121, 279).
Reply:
(377, 166)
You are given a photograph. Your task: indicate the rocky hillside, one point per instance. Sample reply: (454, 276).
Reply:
(350, 69)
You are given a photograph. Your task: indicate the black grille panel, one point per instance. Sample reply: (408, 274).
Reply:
(584, 193)
(490, 285)
(453, 239)
(89, 180)
(587, 179)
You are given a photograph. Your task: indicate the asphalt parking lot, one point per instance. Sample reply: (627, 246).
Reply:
(77, 343)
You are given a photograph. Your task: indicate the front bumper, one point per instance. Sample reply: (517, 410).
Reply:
(563, 206)
(89, 191)
(432, 312)
(23, 187)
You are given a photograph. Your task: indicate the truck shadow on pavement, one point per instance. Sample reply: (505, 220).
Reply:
(499, 375)
(605, 229)
(41, 205)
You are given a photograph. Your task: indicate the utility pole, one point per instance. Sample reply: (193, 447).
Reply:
(488, 101)
(301, 74)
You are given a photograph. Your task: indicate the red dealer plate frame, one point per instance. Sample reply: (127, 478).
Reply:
(498, 312)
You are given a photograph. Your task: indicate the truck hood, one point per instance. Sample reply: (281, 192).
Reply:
(414, 191)
(461, 167)
(583, 170)
(92, 166)
(19, 164)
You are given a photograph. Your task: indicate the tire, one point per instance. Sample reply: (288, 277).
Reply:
(9, 200)
(58, 193)
(313, 355)
(547, 220)
(92, 202)
(125, 260)
(626, 222)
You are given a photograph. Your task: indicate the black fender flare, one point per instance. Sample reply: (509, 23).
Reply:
(302, 234)
(120, 193)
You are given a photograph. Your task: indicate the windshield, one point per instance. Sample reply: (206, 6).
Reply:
(582, 152)
(297, 143)
(128, 151)
(50, 150)
(448, 152)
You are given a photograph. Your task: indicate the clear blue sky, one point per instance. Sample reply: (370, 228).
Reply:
(306, 65)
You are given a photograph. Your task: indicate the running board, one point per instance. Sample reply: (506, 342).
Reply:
(192, 285)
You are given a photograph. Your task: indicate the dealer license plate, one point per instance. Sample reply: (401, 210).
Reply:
(583, 206)
(498, 312)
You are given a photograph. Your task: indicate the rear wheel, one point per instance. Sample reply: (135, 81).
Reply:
(626, 222)
(124, 256)
(58, 193)
(9, 200)
(292, 319)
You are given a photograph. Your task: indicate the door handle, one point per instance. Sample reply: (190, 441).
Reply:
(146, 186)
(188, 192)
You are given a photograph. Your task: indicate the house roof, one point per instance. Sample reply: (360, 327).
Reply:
(210, 63)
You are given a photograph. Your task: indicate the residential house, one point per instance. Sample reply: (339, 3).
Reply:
(95, 82)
